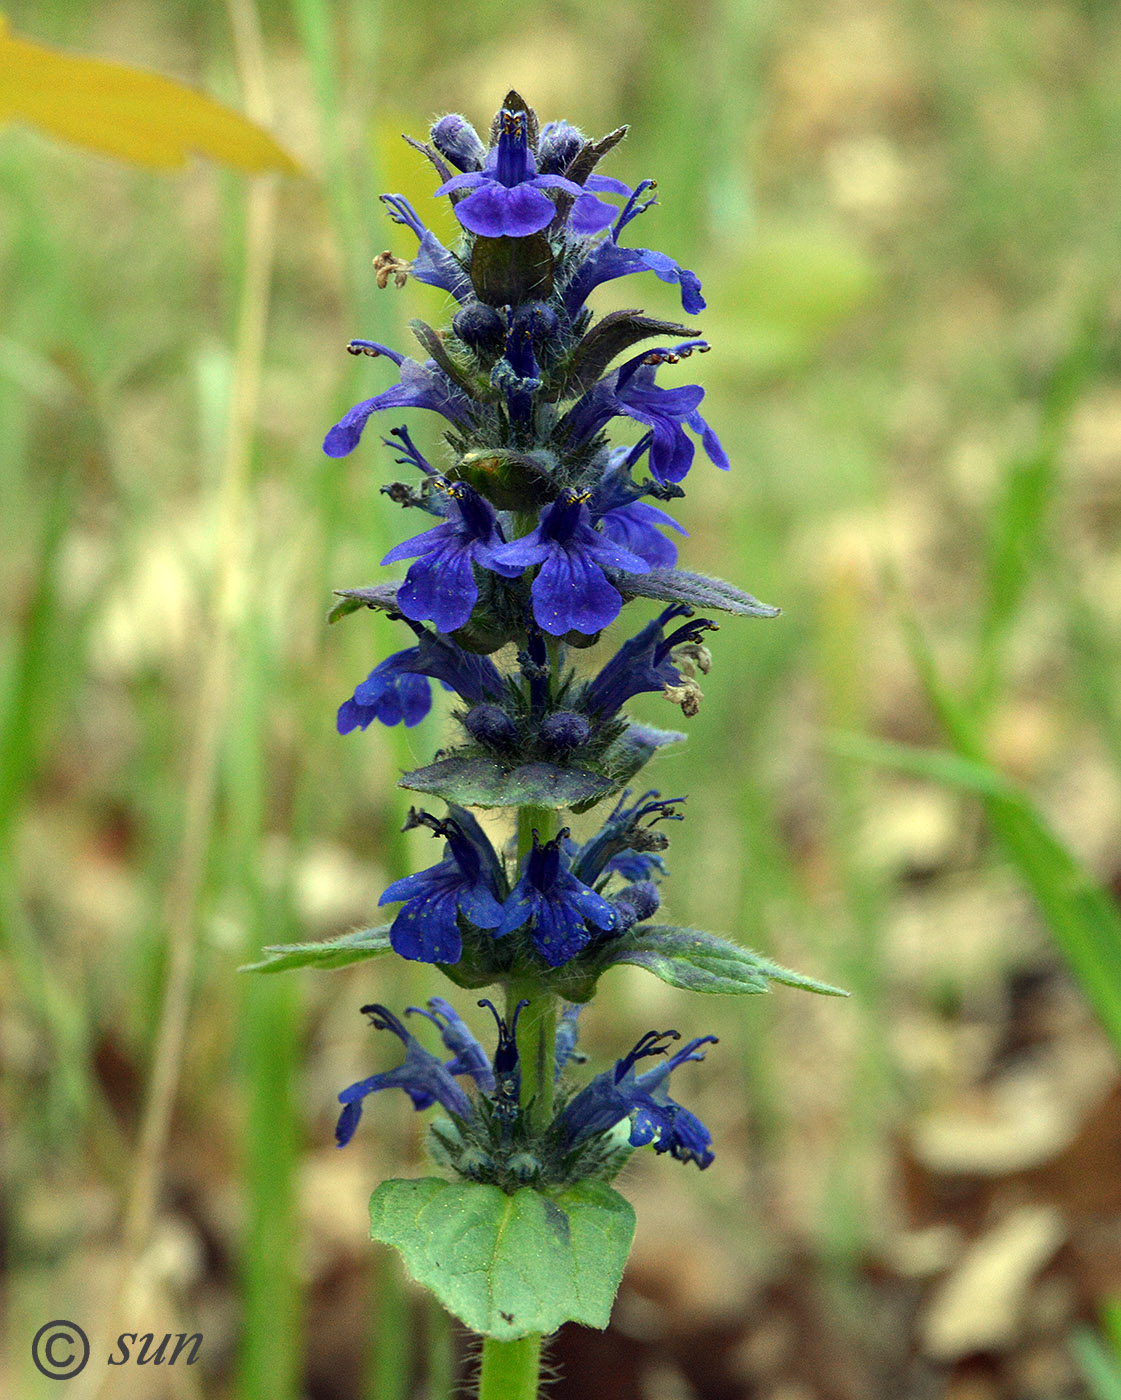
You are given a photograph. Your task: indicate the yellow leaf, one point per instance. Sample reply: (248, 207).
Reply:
(126, 112)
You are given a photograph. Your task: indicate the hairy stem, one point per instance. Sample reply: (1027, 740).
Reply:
(537, 1025)
(510, 1369)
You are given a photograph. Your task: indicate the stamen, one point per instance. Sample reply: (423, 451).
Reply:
(506, 1054)
(688, 695)
(419, 817)
(387, 265)
(647, 1045)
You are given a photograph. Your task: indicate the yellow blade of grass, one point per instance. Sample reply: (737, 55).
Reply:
(126, 112)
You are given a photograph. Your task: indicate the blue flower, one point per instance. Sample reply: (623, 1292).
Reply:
(441, 585)
(644, 1098)
(433, 264)
(623, 845)
(571, 591)
(606, 260)
(422, 1075)
(467, 881)
(558, 146)
(468, 1056)
(631, 391)
(392, 692)
(474, 678)
(508, 195)
(507, 1066)
(630, 522)
(420, 386)
(399, 688)
(557, 906)
(644, 662)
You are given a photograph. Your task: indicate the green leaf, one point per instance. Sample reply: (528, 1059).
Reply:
(943, 767)
(509, 1266)
(610, 336)
(701, 962)
(376, 595)
(476, 781)
(698, 590)
(335, 952)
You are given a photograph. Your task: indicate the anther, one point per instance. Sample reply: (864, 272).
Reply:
(387, 265)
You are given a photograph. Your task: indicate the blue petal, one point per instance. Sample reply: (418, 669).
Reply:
(425, 930)
(348, 1122)
(607, 261)
(589, 905)
(590, 214)
(558, 931)
(479, 905)
(496, 212)
(440, 588)
(571, 593)
(419, 883)
(423, 543)
(522, 553)
(638, 534)
(709, 441)
(517, 910)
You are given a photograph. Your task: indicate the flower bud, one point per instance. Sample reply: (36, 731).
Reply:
(490, 724)
(457, 140)
(634, 904)
(535, 321)
(560, 144)
(564, 730)
(480, 327)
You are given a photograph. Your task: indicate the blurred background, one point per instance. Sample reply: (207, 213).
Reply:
(906, 220)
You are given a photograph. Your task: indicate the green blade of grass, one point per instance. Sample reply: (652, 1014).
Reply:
(1082, 916)
(1017, 545)
(1097, 1363)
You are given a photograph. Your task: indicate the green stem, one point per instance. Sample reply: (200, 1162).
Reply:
(537, 1025)
(510, 1369)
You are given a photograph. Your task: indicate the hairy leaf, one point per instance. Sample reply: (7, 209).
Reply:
(701, 962)
(335, 952)
(698, 590)
(506, 271)
(610, 336)
(477, 781)
(375, 595)
(508, 1266)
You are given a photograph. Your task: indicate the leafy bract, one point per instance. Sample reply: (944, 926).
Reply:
(701, 962)
(477, 781)
(334, 952)
(697, 590)
(509, 1265)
